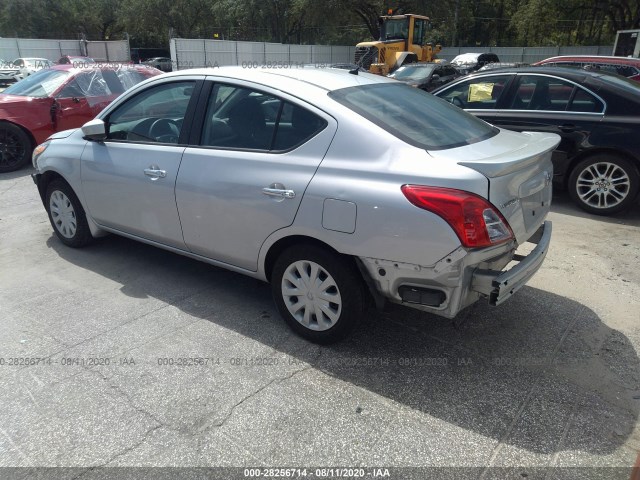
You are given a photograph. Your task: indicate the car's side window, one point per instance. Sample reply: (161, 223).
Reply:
(535, 92)
(242, 118)
(96, 83)
(156, 115)
(296, 126)
(583, 101)
(478, 93)
(239, 117)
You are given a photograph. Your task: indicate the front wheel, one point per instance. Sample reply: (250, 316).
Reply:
(604, 184)
(318, 293)
(15, 147)
(67, 215)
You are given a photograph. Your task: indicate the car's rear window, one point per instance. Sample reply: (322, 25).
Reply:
(414, 116)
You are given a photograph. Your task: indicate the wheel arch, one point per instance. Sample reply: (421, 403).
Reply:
(44, 179)
(23, 128)
(282, 244)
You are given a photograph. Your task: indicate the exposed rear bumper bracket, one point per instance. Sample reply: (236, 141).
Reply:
(500, 285)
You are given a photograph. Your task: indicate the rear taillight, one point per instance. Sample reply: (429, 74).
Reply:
(476, 222)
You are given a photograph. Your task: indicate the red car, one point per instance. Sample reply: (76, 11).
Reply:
(55, 99)
(625, 66)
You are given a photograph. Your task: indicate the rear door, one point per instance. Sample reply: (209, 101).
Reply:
(248, 168)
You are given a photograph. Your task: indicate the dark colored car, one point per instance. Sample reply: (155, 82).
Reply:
(161, 63)
(55, 99)
(596, 114)
(470, 62)
(627, 67)
(426, 76)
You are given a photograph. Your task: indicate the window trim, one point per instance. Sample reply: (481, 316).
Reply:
(514, 75)
(568, 112)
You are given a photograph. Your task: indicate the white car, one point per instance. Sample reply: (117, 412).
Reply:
(28, 66)
(342, 189)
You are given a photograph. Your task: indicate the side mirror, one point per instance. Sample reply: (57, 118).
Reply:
(435, 78)
(94, 130)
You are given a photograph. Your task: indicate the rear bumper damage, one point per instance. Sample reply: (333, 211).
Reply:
(459, 279)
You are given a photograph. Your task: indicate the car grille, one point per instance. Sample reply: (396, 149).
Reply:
(365, 56)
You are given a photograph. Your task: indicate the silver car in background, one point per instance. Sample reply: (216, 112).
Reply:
(342, 189)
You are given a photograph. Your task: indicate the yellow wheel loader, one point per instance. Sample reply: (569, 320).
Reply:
(403, 40)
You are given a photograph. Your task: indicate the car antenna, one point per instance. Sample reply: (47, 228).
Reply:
(354, 71)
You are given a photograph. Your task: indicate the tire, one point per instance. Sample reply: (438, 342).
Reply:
(604, 184)
(15, 147)
(66, 215)
(315, 318)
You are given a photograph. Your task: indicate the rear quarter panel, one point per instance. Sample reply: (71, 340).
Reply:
(367, 167)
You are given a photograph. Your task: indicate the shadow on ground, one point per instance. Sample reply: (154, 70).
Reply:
(563, 204)
(540, 353)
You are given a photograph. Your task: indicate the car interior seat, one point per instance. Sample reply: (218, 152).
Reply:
(540, 99)
(248, 124)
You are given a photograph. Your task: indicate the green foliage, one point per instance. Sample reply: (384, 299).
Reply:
(460, 22)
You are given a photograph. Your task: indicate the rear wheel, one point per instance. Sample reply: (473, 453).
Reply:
(15, 147)
(318, 293)
(67, 215)
(604, 184)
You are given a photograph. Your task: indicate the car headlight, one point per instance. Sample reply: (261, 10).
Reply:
(39, 150)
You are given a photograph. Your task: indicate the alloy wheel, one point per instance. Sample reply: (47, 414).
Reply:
(603, 185)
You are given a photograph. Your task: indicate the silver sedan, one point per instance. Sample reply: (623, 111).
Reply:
(340, 188)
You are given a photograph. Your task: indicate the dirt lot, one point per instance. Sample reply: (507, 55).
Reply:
(145, 358)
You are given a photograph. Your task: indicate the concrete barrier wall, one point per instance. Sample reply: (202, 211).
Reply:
(104, 51)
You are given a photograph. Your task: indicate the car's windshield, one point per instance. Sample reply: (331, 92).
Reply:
(413, 73)
(40, 84)
(414, 116)
(397, 28)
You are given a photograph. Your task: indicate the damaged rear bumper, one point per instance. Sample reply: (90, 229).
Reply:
(500, 285)
(458, 280)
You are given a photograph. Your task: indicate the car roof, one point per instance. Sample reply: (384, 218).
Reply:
(574, 74)
(422, 65)
(125, 66)
(593, 58)
(321, 77)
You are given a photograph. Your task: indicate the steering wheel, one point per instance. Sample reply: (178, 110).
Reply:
(164, 130)
(457, 101)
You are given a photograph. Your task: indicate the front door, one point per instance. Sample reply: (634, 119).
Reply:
(129, 179)
(85, 96)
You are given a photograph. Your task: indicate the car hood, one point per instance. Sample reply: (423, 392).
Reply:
(7, 101)
(62, 134)
(13, 102)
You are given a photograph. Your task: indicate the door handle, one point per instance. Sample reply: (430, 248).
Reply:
(567, 127)
(154, 172)
(279, 192)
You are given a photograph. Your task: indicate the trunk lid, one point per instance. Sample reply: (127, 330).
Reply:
(519, 172)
